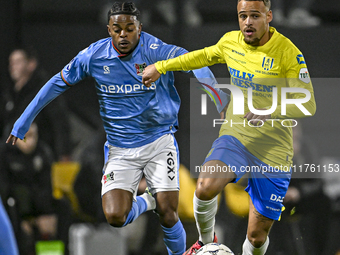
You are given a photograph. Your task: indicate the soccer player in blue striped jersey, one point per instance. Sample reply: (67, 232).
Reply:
(139, 121)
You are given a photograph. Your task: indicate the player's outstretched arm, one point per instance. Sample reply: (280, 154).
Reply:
(150, 75)
(53, 88)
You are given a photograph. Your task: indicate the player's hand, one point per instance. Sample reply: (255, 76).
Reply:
(150, 75)
(12, 138)
(223, 112)
(256, 119)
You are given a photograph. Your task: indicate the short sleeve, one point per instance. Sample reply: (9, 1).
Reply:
(297, 73)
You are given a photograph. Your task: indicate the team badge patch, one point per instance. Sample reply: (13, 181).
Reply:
(267, 63)
(300, 59)
(140, 68)
(108, 177)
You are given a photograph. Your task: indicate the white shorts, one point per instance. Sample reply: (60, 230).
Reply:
(159, 161)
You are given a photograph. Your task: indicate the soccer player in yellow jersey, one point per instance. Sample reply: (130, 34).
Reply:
(264, 65)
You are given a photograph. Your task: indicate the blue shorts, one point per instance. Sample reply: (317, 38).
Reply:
(267, 186)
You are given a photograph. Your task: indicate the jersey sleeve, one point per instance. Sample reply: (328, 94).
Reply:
(168, 51)
(204, 75)
(78, 68)
(297, 76)
(73, 72)
(207, 79)
(193, 60)
(54, 87)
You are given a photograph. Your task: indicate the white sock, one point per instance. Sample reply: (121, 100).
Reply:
(249, 249)
(205, 212)
(150, 201)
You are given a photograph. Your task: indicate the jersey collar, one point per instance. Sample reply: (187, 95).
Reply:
(119, 54)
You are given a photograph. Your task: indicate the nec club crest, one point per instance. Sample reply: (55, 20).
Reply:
(140, 68)
(108, 177)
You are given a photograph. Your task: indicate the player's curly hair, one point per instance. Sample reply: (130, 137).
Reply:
(267, 3)
(123, 8)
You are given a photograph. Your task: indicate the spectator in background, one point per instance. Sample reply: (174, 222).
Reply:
(25, 171)
(27, 80)
(298, 16)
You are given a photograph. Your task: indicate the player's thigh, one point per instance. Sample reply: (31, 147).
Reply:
(122, 169)
(162, 170)
(122, 173)
(211, 182)
(258, 224)
(222, 165)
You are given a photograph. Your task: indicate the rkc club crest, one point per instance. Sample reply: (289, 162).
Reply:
(267, 63)
(140, 68)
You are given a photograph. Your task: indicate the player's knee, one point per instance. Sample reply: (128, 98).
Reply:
(115, 219)
(168, 217)
(257, 239)
(204, 192)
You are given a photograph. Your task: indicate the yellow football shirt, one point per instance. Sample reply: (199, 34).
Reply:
(277, 64)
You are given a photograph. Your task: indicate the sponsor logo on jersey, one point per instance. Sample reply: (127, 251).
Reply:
(241, 75)
(106, 69)
(154, 46)
(108, 177)
(304, 75)
(140, 68)
(300, 59)
(245, 80)
(125, 88)
(267, 63)
(239, 53)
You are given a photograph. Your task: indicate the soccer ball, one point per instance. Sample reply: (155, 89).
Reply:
(214, 249)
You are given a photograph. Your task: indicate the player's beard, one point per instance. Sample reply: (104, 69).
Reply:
(255, 41)
(252, 42)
